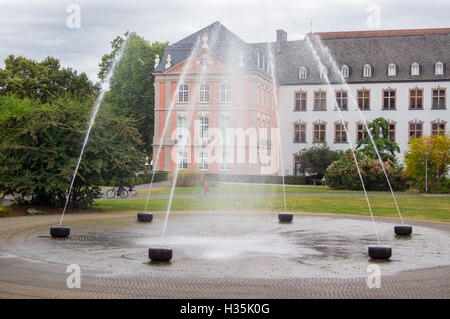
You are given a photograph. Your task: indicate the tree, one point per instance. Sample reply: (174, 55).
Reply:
(44, 81)
(132, 92)
(379, 129)
(343, 173)
(315, 160)
(39, 148)
(438, 161)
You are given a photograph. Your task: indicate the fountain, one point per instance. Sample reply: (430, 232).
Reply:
(60, 230)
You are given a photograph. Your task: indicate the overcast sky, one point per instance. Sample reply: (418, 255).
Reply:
(36, 29)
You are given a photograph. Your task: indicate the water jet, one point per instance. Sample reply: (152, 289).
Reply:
(144, 217)
(60, 231)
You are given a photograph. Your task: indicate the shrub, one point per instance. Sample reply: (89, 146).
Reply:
(160, 176)
(188, 178)
(5, 211)
(343, 174)
(32, 211)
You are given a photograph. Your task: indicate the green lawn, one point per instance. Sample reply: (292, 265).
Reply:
(424, 208)
(221, 188)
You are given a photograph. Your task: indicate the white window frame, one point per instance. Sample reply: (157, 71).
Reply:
(183, 93)
(439, 68)
(345, 71)
(367, 71)
(225, 93)
(415, 69)
(302, 74)
(204, 95)
(204, 127)
(181, 127)
(323, 72)
(203, 160)
(224, 125)
(182, 160)
(392, 70)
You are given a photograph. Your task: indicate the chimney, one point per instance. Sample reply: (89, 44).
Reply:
(281, 39)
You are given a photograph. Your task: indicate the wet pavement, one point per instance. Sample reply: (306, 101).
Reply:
(222, 255)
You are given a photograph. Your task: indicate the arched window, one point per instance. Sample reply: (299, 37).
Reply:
(367, 71)
(415, 69)
(345, 71)
(392, 70)
(302, 74)
(439, 68)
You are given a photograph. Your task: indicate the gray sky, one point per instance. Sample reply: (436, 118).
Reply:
(36, 29)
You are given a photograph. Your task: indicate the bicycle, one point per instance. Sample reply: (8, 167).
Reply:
(117, 192)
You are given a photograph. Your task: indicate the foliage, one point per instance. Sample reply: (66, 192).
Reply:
(132, 89)
(343, 173)
(379, 129)
(33, 211)
(5, 211)
(315, 160)
(188, 178)
(160, 176)
(43, 81)
(438, 160)
(39, 150)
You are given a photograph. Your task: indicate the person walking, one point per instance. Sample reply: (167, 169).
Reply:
(206, 189)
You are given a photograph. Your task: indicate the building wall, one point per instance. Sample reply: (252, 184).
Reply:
(401, 116)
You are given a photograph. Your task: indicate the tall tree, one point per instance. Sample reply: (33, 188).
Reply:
(132, 92)
(316, 159)
(44, 81)
(387, 148)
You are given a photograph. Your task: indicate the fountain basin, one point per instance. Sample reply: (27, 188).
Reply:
(144, 217)
(403, 230)
(160, 254)
(285, 217)
(60, 231)
(380, 252)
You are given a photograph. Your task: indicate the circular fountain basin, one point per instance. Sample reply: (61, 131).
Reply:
(285, 217)
(160, 254)
(380, 252)
(144, 217)
(60, 231)
(403, 230)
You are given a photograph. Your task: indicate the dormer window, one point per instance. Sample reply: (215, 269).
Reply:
(323, 72)
(439, 68)
(302, 74)
(415, 69)
(367, 71)
(204, 62)
(345, 71)
(392, 70)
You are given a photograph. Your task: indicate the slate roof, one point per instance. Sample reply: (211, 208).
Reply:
(355, 49)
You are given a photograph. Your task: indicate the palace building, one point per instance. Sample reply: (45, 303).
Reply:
(213, 82)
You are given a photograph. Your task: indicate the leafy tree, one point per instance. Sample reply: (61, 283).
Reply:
(438, 161)
(39, 148)
(315, 160)
(132, 92)
(343, 173)
(44, 81)
(379, 129)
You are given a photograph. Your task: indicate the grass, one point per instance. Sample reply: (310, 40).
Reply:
(225, 188)
(423, 208)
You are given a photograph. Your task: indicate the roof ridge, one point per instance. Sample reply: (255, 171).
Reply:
(381, 33)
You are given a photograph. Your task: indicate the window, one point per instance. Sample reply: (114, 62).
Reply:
(300, 101)
(224, 161)
(342, 99)
(438, 99)
(182, 127)
(439, 68)
(183, 93)
(302, 74)
(319, 132)
(204, 127)
(320, 100)
(364, 99)
(203, 160)
(323, 72)
(224, 124)
(258, 93)
(392, 131)
(182, 160)
(367, 71)
(438, 128)
(416, 99)
(361, 131)
(392, 70)
(415, 69)
(299, 133)
(204, 62)
(340, 135)
(389, 99)
(225, 93)
(204, 92)
(345, 71)
(415, 129)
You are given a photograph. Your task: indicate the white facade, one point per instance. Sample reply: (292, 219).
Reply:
(401, 116)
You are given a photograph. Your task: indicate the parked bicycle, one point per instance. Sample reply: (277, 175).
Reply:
(122, 192)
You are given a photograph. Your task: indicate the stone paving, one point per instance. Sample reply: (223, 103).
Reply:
(221, 255)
